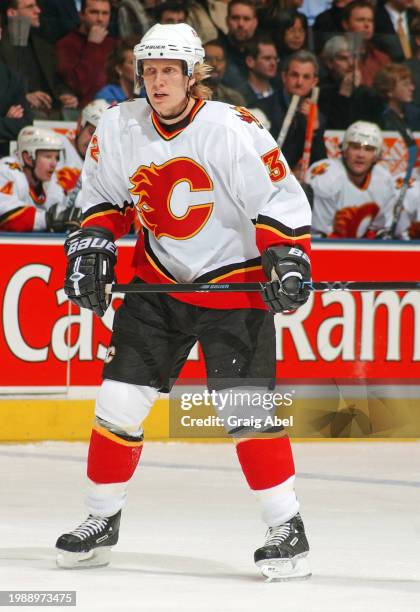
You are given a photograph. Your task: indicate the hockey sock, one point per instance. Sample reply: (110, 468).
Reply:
(112, 458)
(267, 464)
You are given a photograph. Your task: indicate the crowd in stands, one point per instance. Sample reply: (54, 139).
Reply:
(57, 56)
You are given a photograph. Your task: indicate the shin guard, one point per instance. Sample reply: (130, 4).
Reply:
(112, 458)
(266, 462)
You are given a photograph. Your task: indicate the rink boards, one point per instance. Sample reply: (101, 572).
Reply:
(347, 354)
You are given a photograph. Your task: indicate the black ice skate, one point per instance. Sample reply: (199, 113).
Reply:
(89, 545)
(283, 555)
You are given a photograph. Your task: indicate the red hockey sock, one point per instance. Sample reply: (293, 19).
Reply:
(111, 458)
(266, 462)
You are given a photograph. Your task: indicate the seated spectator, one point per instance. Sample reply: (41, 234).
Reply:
(299, 76)
(413, 64)
(408, 225)
(289, 33)
(242, 23)
(328, 23)
(58, 18)
(34, 59)
(261, 60)
(353, 195)
(215, 57)
(83, 53)
(135, 17)
(120, 73)
(29, 199)
(15, 112)
(392, 26)
(342, 98)
(394, 86)
(171, 12)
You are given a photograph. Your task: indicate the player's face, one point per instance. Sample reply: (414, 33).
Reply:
(403, 91)
(299, 78)
(45, 164)
(361, 20)
(83, 139)
(294, 37)
(359, 158)
(242, 22)
(166, 85)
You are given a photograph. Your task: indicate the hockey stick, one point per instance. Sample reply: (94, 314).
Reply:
(256, 287)
(291, 112)
(396, 214)
(309, 134)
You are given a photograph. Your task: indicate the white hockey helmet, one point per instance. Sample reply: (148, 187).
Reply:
(33, 139)
(365, 133)
(170, 41)
(92, 112)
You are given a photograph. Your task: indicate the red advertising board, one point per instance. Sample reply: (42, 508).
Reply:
(45, 342)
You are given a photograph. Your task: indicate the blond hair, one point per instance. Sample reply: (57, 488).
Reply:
(199, 89)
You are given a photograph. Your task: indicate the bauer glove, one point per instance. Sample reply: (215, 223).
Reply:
(286, 268)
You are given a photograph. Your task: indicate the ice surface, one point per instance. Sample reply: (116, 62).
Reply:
(191, 525)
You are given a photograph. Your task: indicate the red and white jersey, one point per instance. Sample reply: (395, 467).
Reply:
(21, 208)
(210, 196)
(68, 171)
(343, 210)
(408, 226)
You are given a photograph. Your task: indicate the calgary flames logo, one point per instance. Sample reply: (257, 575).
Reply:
(246, 116)
(319, 169)
(354, 221)
(7, 189)
(94, 148)
(155, 187)
(67, 178)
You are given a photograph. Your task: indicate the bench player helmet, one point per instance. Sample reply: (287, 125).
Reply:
(33, 139)
(364, 133)
(170, 41)
(92, 112)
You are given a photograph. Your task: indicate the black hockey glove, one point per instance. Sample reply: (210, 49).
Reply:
(61, 219)
(91, 255)
(286, 268)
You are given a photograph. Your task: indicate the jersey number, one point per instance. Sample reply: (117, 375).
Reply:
(276, 168)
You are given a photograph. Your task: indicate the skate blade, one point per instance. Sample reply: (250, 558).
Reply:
(98, 557)
(285, 569)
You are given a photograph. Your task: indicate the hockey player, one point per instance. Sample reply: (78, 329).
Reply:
(353, 196)
(29, 199)
(213, 193)
(408, 226)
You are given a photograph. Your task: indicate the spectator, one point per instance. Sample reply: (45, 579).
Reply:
(289, 33)
(328, 23)
(83, 53)
(358, 19)
(46, 93)
(394, 86)
(261, 60)
(135, 17)
(413, 64)
(58, 18)
(215, 57)
(171, 12)
(342, 98)
(353, 195)
(120, 73)
(29, 199)
(242, 23)
(200, 19)
(392, 26)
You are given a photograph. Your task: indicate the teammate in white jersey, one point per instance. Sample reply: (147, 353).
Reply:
(29, 199)
(353, 196)
(408, 226)
(216, 202)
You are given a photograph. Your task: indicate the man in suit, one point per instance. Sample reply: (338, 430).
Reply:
(35, 61)
(392, 26)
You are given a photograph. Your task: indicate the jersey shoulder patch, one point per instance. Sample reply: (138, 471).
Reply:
(319, 169)
(245, 115)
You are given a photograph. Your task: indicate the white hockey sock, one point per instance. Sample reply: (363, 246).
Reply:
(278, 504)
(106, 499)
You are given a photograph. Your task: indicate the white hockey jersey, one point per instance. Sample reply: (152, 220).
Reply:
(210, 196)
(343, 210)
(21, 209)
(68, 172)
(408, 226)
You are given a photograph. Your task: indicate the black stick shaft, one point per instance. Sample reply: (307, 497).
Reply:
(255, 287)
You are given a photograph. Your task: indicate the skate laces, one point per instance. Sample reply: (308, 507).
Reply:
(277, 535)
(91, 526)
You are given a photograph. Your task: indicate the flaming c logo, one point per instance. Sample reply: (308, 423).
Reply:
(67, 178)
(155, 185)
(94, 148)
(354, 221)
